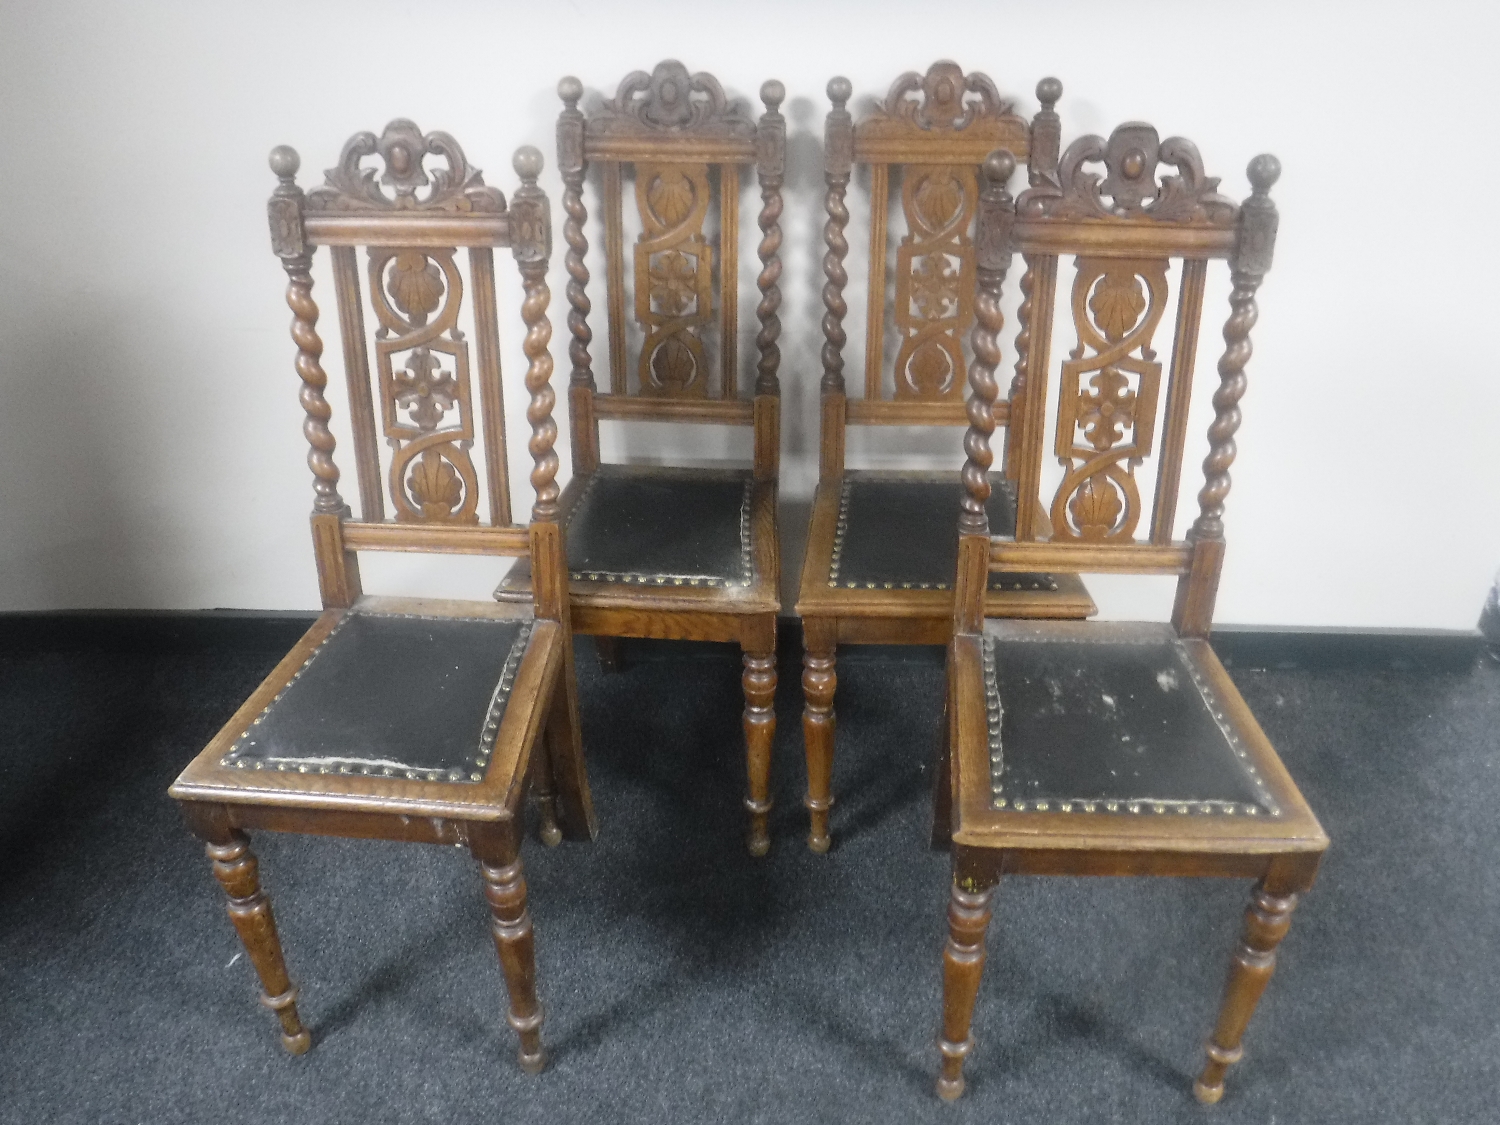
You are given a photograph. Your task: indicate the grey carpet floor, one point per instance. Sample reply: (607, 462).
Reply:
(685, 981)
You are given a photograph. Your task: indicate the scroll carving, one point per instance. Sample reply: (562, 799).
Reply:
(403, 149)
(669, 99)
(935, 280)
(944, 99)
(1129, 187)
(1105, 426)
(416, 295)
(673, 278)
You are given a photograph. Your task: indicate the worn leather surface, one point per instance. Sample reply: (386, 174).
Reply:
(1112, 721)
(903, 534)
(659, 527)
(392, 695)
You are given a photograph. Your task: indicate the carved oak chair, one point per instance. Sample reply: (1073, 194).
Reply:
(1078, 748)
(880, 549)
(676, 553)
(409, 718)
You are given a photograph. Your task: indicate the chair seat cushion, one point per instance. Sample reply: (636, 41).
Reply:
(663, 527)
(394, 695)
(1123, 722)
(900, 532)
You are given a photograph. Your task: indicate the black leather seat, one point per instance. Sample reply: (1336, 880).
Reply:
(393, 695)
(662, 527)
(1122, 724)
(895, 532)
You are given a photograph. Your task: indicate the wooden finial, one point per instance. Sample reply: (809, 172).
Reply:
(285, 162)
(1046, 134)
(996, 213)
(1255, 242)
(530, 220)
(284, 210)
(840, 90)
(528, 164)
(1263, 171)
(999, 166)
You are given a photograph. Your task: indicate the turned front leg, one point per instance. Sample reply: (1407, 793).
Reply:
(819, 680)
(963, 968)
(759, 681)
(510, 924)
(237, 871)
(1266, 923)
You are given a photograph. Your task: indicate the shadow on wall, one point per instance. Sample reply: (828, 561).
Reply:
(801, 357)
(67, 449)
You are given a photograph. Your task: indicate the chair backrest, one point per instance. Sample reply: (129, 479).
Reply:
(412, 219)
(667, 131)
(933, 130)
(1124, 225)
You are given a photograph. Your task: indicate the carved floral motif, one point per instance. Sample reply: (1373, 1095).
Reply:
(674, 278)
(934, 286)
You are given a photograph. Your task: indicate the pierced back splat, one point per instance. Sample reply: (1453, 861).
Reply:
(673, 260)
(935, 129)
(674, 133)
(432, 477)
(1124, 226)
(1108, 422)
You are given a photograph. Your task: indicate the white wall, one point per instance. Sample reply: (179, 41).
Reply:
(150, 447)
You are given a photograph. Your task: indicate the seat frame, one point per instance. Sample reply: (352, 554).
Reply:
(1281, 851)
(655, 121)
(538, 741)
(928, 123)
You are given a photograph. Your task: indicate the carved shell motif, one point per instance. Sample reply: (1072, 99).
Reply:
(665, 100)
(415, 284)
(1096, 508)
(1129, 187)
(943, 104)
(402, 148)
